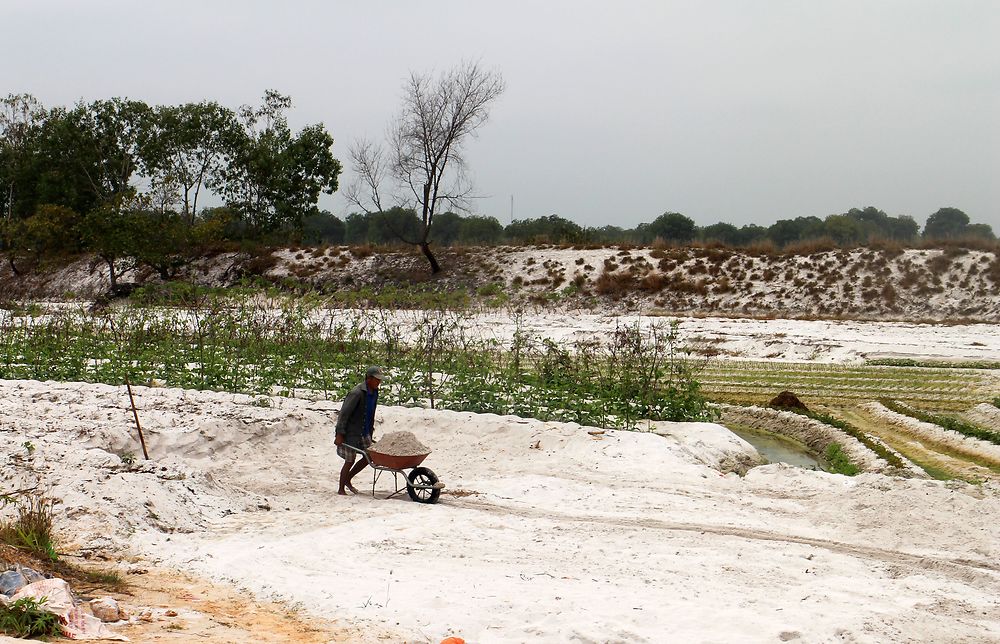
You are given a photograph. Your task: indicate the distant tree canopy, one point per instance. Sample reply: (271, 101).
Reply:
(857, 226)
(552, 229)
(952, 223)
(670, 226)
(121, 156)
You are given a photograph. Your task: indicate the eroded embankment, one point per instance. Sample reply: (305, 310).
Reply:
(914, 284)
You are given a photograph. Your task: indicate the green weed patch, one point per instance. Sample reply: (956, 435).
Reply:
(31, 529)
(27, 618)
(838, 461)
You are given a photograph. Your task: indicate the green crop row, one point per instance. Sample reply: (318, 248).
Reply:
(947, 422)
(935, 364)
(747, 381)
(883, 452)
(244, 345)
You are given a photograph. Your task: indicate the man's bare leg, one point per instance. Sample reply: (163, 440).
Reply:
(346, 475)
(360, 465)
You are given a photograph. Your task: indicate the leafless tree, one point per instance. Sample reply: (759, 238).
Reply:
(422, 166)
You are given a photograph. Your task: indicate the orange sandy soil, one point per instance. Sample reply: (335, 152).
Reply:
(214, 613)
(208, 612)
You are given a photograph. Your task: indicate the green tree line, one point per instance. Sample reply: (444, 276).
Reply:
(856, 226)
(123, 179)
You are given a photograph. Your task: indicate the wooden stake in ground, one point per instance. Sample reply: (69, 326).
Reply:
(131, 399)
(135, 414)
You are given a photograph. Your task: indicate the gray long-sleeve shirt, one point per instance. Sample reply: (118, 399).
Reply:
(351, 422)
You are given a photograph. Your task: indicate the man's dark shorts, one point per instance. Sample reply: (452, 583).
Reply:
(346, 454)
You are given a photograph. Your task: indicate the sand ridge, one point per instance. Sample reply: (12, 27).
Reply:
(559, 534)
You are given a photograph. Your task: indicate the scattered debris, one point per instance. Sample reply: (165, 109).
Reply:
(59, 600)
(107, 609)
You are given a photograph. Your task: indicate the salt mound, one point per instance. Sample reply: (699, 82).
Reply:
(399, 444)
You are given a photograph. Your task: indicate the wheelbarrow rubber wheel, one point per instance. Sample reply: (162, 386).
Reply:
(423, 476)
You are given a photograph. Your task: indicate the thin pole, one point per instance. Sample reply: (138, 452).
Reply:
(135, 414)
(131, 399)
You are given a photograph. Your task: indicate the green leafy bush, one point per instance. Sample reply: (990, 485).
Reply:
(26, 618)
(838, 461)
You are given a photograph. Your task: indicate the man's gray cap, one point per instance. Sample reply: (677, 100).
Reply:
(375, 372)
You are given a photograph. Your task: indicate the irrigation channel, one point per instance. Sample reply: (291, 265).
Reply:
(778, 449)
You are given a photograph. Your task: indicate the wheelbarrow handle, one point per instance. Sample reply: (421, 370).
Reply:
(362, 452)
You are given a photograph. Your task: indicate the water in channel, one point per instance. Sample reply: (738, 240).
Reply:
(778, 449)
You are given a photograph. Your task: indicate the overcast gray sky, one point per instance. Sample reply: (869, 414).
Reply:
(615, 112)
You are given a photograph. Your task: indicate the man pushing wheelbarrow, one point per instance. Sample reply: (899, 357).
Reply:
(355, 426)
(395, 453)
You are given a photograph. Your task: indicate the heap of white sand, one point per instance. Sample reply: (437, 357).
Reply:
(546, 532)
(400, 444)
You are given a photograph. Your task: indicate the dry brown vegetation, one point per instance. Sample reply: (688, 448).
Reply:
(952, 281)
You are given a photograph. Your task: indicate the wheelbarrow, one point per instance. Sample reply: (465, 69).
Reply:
(421, 483)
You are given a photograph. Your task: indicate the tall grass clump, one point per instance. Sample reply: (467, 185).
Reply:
(946, 422)
(31, 528)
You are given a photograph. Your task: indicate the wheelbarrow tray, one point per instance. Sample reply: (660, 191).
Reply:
(396, 462)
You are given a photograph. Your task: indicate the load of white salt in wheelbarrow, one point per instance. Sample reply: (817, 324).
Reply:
(399, 444)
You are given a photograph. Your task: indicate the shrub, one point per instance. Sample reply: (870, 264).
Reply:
(258, 265)
(360, 252)
(615, 285)
(490, 290)
(26, 618)
(653, 282)
(940, 263)
(889, 295)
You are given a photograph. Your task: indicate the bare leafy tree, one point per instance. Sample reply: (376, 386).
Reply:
(422, 165)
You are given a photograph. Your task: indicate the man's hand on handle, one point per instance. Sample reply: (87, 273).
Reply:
(339, 439)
